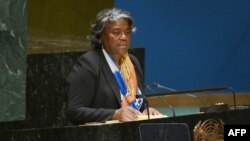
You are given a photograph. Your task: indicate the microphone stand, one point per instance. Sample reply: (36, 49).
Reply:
(155, 84)
(198, 90)
(188, 91)
(145, 103)
(231, 89)
(170, 106)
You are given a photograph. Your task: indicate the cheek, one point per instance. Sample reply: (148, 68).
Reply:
(107, 41)
(112, 42)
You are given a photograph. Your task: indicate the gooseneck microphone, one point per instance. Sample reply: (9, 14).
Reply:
(221, 88)
(145, 103)
(157, 85)
(234, 98)
(147, 86)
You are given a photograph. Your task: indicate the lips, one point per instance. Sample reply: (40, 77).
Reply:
(123, 46)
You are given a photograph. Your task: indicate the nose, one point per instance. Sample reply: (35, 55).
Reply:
(123, 36)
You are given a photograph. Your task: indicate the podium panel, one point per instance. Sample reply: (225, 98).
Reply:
(124, 131)
(164, 132)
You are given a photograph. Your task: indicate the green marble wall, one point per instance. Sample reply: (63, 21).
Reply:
(34, 27)
(13, 42)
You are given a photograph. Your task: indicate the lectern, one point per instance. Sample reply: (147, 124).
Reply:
(164, 132)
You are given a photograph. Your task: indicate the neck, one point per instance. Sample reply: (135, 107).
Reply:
(117, 61)
(116, 58)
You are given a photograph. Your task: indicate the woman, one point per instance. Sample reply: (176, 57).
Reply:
(105, 81)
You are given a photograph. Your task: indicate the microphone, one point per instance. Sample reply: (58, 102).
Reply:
(230, 89)
(169, 105)
(145, 103)
(157, 85)
(146, 86)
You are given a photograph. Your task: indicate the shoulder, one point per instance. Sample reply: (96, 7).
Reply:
(90, 59)
(90, 56)
(88, 63)
(136, 63)
(135, 60)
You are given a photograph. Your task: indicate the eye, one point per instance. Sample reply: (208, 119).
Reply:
(116, 33)
(128, 32)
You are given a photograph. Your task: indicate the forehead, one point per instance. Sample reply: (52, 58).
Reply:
(118, 24)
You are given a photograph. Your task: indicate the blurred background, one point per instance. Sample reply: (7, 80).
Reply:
(188, 44)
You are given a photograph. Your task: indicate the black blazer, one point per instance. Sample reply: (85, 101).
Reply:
(94, 94)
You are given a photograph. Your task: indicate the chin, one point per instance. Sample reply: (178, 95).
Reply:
(123, 51)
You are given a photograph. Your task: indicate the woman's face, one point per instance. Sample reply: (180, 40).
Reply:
(116, 38)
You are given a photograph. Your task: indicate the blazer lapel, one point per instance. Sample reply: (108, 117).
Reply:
(138, 74)
(110, 79)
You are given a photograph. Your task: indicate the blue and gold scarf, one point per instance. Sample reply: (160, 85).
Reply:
(126, 80)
